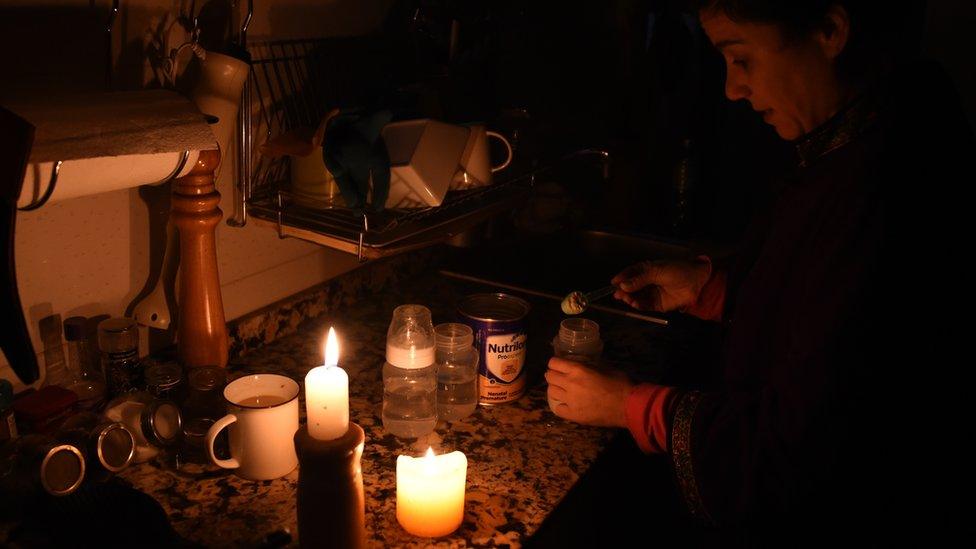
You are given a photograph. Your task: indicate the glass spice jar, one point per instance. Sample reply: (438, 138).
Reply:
(118, 340)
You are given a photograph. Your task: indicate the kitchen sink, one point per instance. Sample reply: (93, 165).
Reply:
(561, 262)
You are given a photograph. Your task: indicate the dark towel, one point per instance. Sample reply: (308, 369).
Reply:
(352, 150)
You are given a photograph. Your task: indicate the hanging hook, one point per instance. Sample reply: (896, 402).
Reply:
(47, 193)
(247, 21)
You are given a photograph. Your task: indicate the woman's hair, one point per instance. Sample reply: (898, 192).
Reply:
(880, 31)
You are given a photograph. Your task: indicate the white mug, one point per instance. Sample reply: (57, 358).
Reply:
(262, 422)
(475, 166)
(218, 93)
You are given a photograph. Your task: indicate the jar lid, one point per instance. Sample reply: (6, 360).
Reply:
(206, 378)
(163, 374)
(75, 328)
(62, 470)
(115, 446)
(116, 325)
(162, 423)
(118, 334)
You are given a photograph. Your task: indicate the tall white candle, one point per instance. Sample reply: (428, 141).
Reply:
(430, 493)
(327, 395)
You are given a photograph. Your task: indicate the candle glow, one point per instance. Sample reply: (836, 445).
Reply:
(327, 395)
(430, 493)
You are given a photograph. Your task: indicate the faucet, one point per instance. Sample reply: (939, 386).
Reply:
(603, 154)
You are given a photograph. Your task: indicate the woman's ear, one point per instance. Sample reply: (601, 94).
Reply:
(836, 30)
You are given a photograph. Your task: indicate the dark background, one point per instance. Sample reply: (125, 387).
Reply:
(635, 77)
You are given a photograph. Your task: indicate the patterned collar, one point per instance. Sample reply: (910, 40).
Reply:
(841, 129)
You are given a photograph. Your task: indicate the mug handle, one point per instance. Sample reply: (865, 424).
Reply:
(212, 434)
(508, 148)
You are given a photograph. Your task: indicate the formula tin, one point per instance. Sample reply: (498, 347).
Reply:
(498, 323)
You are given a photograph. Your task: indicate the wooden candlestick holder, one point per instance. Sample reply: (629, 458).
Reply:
(331, 502)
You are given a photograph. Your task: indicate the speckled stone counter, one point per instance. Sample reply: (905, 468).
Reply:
(522, 459)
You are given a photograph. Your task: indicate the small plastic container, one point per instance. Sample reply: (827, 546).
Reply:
(457, 371)
(579, 340)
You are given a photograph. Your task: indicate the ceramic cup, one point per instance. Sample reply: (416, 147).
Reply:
(218, 94)
(312, 183)
(475, 165)
(262, 422)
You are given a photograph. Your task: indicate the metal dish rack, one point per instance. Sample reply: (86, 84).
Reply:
(283, 94)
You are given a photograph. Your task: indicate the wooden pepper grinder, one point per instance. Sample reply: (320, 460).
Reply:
(331, 503)
(202, 332)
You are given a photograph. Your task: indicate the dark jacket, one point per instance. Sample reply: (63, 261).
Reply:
(838, 361)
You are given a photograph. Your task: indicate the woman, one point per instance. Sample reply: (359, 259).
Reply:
(831, 394)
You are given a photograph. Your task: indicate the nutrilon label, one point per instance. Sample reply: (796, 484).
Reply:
(498, 323)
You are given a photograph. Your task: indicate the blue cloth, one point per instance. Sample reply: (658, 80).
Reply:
(352, 149)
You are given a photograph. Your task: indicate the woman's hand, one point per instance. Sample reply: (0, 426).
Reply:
(663, 285)
(584, 395)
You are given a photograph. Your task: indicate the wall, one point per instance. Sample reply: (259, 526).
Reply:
(92, 255)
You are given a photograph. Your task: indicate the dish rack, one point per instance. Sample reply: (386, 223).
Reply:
(283, 94)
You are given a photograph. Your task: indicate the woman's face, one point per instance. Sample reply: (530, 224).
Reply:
(793, 85)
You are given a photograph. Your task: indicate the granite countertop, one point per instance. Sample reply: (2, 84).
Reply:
(522, 459)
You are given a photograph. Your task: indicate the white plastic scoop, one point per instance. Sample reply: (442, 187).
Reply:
(577, 302)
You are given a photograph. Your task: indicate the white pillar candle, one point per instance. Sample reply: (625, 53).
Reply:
(430, 493)
(327, 395)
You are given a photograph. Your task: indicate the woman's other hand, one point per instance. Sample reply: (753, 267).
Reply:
(584, 395)
(662, 285)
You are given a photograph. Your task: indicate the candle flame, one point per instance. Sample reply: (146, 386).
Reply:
(430, 464)
(332, 349)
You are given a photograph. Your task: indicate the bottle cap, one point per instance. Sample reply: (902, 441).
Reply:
(206, 378)
(411, 358)
(74, 328)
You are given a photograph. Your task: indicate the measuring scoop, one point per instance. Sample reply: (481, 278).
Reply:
(577, 302)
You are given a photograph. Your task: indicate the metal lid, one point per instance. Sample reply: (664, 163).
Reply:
(62, 470)
(74, 328)
(197, 428)
(118, 334)
(162, 423)
(163, 374)
(206, 378)
(115, 446)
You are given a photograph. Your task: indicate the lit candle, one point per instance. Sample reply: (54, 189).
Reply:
(327, 395)
(430, 493)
